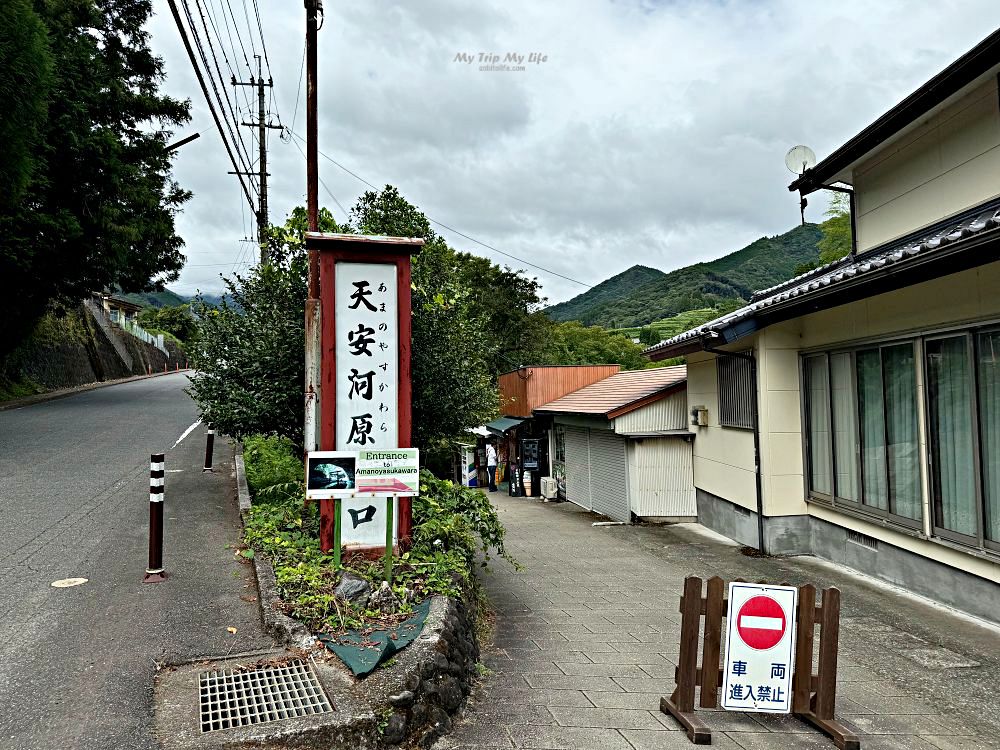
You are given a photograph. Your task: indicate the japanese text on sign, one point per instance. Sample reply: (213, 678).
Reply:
(367, 356)
(363, 521)
(760, 644)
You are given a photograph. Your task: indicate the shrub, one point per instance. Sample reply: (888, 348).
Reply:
(271, 460)
(451, 525)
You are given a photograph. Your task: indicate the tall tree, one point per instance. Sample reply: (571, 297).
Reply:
(836, 241)
(248, 353)
(98, 209)
(453, 385)
(25, 80)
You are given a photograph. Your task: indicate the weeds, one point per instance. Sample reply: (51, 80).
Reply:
(451, 526)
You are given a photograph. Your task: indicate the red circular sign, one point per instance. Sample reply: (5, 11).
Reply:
(761, 623)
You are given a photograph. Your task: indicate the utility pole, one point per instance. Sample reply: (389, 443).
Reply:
(314, 9)
(262, 128)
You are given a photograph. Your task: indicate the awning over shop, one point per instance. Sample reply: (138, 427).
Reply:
(503, 425)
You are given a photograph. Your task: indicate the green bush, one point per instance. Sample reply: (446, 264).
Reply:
(451, 525)
(271, 461)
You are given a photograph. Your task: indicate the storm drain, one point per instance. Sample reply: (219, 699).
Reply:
(239, 698)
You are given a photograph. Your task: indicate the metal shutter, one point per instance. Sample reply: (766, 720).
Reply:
(608, 475)
(660, 478)
(578, 466)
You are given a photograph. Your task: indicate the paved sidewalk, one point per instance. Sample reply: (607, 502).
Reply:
(587, 634)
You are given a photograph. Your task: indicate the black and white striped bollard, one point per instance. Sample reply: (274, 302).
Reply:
(209, 447)
(155, 572)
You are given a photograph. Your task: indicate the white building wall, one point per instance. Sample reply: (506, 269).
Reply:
(723, 462)
(945, 165)
(668, 413)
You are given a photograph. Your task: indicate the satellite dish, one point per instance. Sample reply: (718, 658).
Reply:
(799, 159)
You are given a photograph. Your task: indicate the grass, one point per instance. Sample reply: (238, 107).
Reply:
(453, 526)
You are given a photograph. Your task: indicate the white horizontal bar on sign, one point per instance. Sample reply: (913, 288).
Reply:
(761, 623)
(156, 467)
(156, 481)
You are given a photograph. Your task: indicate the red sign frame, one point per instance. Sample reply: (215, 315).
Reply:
(396, 251)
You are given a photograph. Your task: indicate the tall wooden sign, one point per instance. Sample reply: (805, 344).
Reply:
(365, 382)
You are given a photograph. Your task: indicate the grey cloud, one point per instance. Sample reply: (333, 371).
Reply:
(655, 133)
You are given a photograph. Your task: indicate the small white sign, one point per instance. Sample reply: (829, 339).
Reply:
(331, 474)
(367, 356)
(388, 472)
(760, 648)
(363, 520)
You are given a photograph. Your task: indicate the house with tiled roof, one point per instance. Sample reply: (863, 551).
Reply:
(853, 412)
(621, 448)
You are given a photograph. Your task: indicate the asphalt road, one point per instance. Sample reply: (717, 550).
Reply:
(77, 664)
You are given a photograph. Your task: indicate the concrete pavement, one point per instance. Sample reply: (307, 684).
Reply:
(77, 664)
(587, 637)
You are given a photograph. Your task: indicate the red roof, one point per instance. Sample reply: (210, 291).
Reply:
(620, 393)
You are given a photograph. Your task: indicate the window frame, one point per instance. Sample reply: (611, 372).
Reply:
(978, 539)
(747, 408)
(976, 544)
(835, 500)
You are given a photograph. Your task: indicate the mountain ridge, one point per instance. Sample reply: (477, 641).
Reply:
(640, 295)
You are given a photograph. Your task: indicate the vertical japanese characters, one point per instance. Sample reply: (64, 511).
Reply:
(367, 356)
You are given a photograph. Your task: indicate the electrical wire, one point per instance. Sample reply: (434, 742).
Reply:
(330, 192)
(452, 229)
(228, 102)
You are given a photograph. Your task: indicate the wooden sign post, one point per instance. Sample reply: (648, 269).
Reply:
(365, 385)
(813, 695)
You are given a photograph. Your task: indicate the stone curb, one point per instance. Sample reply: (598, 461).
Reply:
(422, 692)
(285, 629)
(39, 398)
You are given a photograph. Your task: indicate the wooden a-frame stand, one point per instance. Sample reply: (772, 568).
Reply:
(813, 695)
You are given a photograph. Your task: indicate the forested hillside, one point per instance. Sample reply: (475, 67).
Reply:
(642, 295)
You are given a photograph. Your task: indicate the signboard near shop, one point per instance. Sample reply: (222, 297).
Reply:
(760, 643)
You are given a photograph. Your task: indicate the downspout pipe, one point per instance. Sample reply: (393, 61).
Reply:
(711, 337)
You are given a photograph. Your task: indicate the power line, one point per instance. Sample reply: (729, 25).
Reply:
(451, 229)
(298, 88)
(342, 209)
(204, 90)
(208, 39)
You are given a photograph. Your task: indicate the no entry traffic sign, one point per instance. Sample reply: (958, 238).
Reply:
(760, 646)
(761, 623)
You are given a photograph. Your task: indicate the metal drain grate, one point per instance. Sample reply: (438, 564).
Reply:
(236, 699)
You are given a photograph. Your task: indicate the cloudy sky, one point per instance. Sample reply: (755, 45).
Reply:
(652, 132)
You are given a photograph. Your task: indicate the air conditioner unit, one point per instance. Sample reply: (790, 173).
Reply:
(550, 488)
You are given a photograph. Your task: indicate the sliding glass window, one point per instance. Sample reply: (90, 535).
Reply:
(845, 427)
(952, 436)
(873, 443)
(818, 390)
(988, 361)
(863, 443)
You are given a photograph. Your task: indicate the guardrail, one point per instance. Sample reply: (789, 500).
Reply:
(142, 334)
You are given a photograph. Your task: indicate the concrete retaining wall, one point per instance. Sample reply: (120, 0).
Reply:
(802, 534)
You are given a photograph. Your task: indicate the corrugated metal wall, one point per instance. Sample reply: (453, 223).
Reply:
(609, 475)
(578, 466)
(668, 413)
(661, 481)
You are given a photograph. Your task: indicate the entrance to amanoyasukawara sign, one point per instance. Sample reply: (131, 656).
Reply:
(365, 395)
